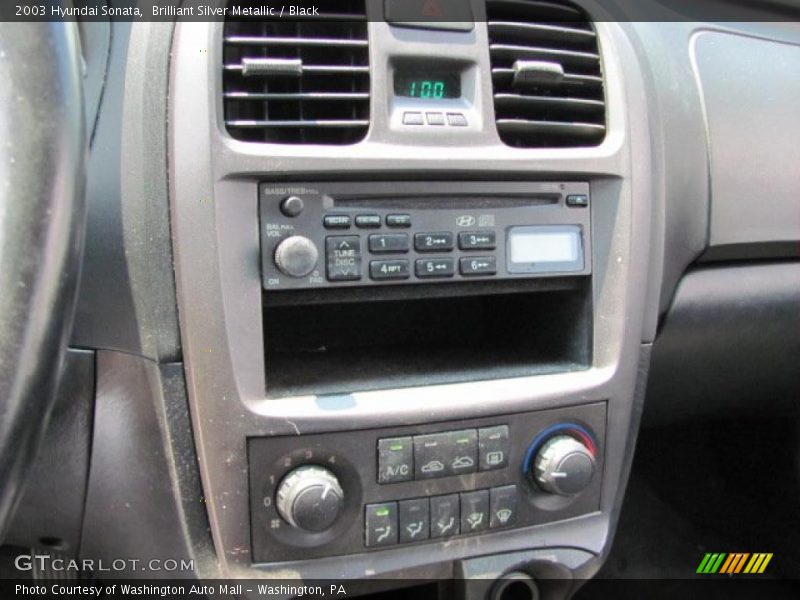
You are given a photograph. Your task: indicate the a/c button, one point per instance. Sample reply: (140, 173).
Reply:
(395, 460)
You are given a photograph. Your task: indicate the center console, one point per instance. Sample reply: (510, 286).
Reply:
(420, 351)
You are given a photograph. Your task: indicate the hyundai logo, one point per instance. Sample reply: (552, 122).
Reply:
(465, 221)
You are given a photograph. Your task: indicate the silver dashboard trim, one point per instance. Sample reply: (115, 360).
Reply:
(215, 235)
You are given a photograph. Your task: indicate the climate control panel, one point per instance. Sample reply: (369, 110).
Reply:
(365, 234)
(324, 495)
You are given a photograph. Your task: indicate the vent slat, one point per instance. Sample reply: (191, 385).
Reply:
(550, 128)
(546, 74)
(298, 80)
(298, 96)
(540, 31)
(520, 102)
(293, 41)
(318, 69)
(297, 123)
(565, 56)
(569, 78)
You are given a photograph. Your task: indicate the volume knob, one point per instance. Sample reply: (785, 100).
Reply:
(296, 256)
(310, 498)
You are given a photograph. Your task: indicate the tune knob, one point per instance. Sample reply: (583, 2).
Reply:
(310, 498)
(563, 466)
(296, 256)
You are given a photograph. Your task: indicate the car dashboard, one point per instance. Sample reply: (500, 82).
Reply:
(382, 286)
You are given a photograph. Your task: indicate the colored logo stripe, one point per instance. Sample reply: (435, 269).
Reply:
(734, 563)
(758, 563)
(711, 563)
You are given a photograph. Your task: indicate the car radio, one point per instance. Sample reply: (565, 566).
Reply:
(325, 235)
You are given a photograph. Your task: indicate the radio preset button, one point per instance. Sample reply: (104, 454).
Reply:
(381, 270)
(386, 243)
(434, 267)
(381, 524)
(368, 221)
(445, 516)
(477, 240)
(474, 511)
(415, 520)
(395, 460)
(493, 447)
(343, 257)
(503, 506)
(398, 220)
(433, 242)
(336, 221)
(478, 265)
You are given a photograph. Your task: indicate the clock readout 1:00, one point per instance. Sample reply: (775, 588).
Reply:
(426, 89)
(426, 86)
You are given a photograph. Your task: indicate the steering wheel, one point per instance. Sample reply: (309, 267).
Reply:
(42, 217)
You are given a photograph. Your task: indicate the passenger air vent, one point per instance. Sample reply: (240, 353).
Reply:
(548, 84)
(303, 81)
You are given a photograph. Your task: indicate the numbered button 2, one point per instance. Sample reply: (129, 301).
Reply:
(434, 242)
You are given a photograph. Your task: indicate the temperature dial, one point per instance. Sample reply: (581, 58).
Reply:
(563, 466)
(310, 498)
(296, 256)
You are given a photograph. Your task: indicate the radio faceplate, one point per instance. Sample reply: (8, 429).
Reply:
(326, 235)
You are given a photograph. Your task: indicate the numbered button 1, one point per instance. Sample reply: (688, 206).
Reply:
(385, 243)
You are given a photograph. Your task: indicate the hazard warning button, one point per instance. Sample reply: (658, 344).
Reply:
(450, 15)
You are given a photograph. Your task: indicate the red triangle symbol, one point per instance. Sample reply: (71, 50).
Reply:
(432, 8)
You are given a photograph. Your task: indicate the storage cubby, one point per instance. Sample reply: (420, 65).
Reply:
(346, 346)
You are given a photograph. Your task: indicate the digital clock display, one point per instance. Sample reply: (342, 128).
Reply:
(429, 85)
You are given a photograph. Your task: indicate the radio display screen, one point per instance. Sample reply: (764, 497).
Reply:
(427, 84)
(545, 249)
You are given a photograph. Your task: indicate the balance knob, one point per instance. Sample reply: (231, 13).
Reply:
(296, 256)
(563, 466)
(310, 498)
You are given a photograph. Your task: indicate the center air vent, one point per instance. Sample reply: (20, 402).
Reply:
(303, 81)
(548, 84)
